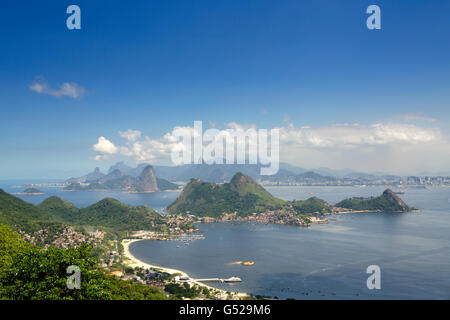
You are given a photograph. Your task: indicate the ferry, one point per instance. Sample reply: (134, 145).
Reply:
(233, 279)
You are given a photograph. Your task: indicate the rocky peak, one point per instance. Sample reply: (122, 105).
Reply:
(146, 182)
(391, 196)
(240, 179)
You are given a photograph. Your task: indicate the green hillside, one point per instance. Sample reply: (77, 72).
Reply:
(387, 202)
(109, 213)
(54, 213)
(242, 195)
(113, 214)
(311, 205)
(21, 215)
(59, 208)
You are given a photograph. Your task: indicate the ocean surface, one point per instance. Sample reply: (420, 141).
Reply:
(326, 261)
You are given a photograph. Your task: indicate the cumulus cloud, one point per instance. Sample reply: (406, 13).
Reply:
(67, 89)
(380, 146)
(105, 148)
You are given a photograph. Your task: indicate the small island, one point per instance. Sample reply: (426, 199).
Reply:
(32, 191)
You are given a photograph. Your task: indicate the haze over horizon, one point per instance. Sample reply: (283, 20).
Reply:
(342, 96)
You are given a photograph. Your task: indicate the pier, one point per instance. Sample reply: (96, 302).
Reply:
(231, 279)
(188, 279)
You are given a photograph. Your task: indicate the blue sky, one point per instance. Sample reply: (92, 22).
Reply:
(154, 65)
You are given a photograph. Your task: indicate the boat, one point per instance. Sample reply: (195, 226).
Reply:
(400, 192)
(233, 279)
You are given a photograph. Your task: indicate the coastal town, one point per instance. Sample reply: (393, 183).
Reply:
(175, 282)
(280, 216)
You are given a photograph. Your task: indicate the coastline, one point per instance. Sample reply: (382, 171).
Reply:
(135, 262)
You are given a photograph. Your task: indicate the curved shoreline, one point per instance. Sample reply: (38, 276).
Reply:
(135, 262)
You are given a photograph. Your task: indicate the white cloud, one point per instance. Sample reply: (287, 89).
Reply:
(351, 136)
(66, 89)
(388, 147)
(105, 147)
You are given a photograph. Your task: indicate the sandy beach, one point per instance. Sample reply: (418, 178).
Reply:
(132, 261)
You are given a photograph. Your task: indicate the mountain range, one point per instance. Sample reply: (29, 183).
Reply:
(121, 177)
(221, 172)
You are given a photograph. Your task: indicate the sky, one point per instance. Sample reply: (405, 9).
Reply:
(342, 96)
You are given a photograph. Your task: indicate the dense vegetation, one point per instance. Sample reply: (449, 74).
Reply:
(21, 215)
(10, 244)
(182, 291)
(387, 202)
(60, 209)
(311, 205)
(28, 272)
(54, 214)
(118, 216)
(242, 195)
(108, 213)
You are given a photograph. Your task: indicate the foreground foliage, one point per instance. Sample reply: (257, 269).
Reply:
(32, 273)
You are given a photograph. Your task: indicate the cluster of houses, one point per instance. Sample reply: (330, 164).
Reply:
(65, 238)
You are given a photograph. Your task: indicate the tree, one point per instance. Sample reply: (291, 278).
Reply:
(10, 244)
(37, 274)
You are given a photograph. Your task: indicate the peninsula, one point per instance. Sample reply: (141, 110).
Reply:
(242, 199)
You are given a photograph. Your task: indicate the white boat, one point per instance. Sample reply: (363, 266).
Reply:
(233, 279)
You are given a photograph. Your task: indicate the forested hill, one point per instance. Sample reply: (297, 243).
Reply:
(21, 215)
(242, 194)
(55, 212)
(387, 202)
(109, 213)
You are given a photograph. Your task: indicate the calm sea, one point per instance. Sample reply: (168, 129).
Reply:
(327, 261)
